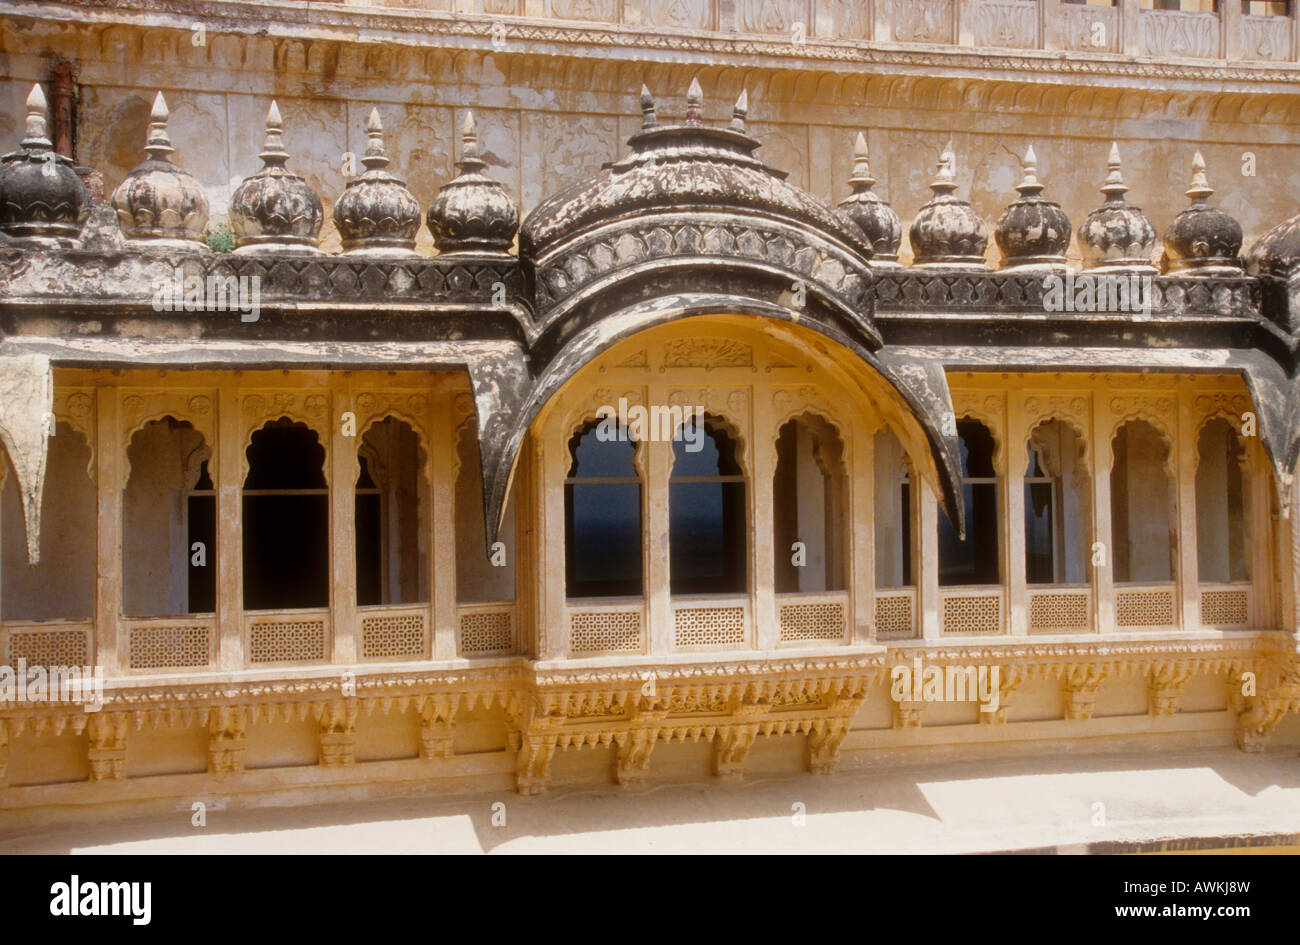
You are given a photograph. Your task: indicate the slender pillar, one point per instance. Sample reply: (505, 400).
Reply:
(445, 463)
(1188, 576)
(763, 556)
(229, 481)
(656, 470)
(553, 634)
(1102, 552)
(108, 528)
(1014, 521)
(927, 570)
(343, 527)
(860, 464)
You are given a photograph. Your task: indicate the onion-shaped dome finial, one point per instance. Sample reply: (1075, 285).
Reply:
(874, 216)
(275, 210)
(947, 231)
(1202, 239)
(41, 197)
(473, 212)
(1117, 235)
(376, 214)
(158, 203)
(1032, 231)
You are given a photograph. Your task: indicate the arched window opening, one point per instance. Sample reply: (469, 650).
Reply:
(169, 523)
(976, 559)
(1220, 504)
(809, 508)
(1141, 509)
(483, 575)
(893, 512)
(286, 519)
(602, 515)
(1056, 506)
(708, 519)
(62, 585)
(391, 517)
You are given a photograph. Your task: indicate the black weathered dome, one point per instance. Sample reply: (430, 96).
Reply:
(1202, 237)
(1032, 231)
(275, 210)
(684, 167)
(376, 213)
(41, 195)
(473, 212)
(947, 230)
(1277, 252)
(875, 217)
(158, 201)
(1117, 234)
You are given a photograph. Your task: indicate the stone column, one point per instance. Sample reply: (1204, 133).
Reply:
(657, 567)
(1014, 519)
(762, 516)
(1103, 575)
(1130, 40)
(1230, 27)
(926, 574)
(860, 464)
(444, 464)
(343, 526)
(228, 481)
(1188, 575)
(109, 462)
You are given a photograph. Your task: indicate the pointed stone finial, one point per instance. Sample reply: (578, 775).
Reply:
(741, 110)
(469, 138)
(648, 117)
(695, 103)
(1030, 184)
(376, 156)
(35, 130)
(273, 152)
(1114, 188)
(945, 181)
(158, 145)
(861, 179)
(1200, 188)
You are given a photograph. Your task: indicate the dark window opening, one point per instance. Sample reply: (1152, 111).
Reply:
(707, 514)
(602, 516)
(201, 529)
(974, 560)
(286, 520)
(808, 508)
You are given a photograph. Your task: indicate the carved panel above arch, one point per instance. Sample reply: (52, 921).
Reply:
(76, 407)
(707, 353)
(1160, 410)
(989, 409)
(1044, 408)
(309, 407)
(140, 407)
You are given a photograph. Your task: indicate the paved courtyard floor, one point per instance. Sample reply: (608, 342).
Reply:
(1126, 802)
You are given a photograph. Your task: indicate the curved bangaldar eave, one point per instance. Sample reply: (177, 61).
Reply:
(922, 419)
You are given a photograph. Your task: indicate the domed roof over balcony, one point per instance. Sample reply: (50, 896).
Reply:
(683, 166)
(690, 195)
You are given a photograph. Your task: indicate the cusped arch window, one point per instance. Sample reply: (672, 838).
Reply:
(809, 507)
(708, 515)
(603, 514)
(1142, 505)
(975, 559)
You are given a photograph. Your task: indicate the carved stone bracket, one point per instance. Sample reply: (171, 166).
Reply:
(1009, 680)
(907, 713)
(1165, 688)
(227, 728)
(730, 749)
(1277, 696)
(437, 727)
(1079, 685)
(338, 733)
(107, 751)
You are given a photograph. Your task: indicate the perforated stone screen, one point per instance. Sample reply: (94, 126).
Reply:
(50, 647)
(1144, 608)
(598, 631)
(286, 641)
(894, 616)
(487, 632)
(822, 621)
(1058, 613)
(1225, 608)
(392, 636)
(972, 614)
(170, 647)
(709, 626)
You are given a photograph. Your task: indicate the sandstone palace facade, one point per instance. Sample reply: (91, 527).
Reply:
(452, 395)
